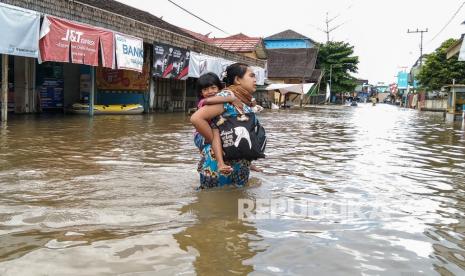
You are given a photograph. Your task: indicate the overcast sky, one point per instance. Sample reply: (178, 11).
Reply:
(377, 28)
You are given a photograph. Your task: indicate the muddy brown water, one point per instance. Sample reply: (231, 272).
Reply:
(374, 191)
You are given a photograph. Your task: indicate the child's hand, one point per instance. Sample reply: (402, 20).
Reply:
(224, 169)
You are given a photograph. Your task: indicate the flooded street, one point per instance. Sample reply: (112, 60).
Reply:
(384, 190)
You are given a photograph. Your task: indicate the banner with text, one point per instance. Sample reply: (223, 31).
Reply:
(59, 37)
(129, 52)
(20, 31)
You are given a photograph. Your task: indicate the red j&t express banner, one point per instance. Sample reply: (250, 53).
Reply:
(59, 37)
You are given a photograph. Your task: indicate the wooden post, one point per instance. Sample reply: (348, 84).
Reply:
(92, 91)
(4, 87)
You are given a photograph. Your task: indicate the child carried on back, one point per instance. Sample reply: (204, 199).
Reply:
(208, 86)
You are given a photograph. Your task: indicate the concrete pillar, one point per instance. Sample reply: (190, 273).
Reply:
(4, 109)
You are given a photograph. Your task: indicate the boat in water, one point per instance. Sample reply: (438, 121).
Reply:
(112, 109)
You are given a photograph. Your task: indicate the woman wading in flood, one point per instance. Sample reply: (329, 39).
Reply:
(241, 83)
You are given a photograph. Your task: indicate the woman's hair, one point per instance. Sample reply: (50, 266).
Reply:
(207, 80)
(235, 70)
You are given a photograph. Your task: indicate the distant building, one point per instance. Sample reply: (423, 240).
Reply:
(288, 39)
(291, 58)
(293, 65)
(240, 43)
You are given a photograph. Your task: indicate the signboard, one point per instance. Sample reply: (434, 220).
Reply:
(111, 79)
(20, 31)
(51, 93)
(59, 38)
(170, 62)
(402, 80)
(129, 52)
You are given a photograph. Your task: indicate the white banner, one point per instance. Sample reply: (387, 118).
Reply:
(129, 52)
(201, 64)
(20, 31)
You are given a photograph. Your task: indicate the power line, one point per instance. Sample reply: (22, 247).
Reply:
(448, 22)
(198, 17)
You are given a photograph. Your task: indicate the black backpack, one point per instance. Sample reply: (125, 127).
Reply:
(242, 139)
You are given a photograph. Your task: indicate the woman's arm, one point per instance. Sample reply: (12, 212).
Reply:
(201, 117)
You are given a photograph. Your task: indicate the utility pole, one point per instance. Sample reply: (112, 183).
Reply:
(327, 30)
(327, 27)
(421, 41)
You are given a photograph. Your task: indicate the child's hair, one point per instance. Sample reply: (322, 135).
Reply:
(235, 70)
(207, 80)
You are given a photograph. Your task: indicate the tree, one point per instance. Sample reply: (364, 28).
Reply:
(438, 71)
(338, 56)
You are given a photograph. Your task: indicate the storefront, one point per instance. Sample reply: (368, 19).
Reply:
(86, 67)
(56, 64)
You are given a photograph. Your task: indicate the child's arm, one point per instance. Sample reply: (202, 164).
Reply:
(219, 100)
(218, 151)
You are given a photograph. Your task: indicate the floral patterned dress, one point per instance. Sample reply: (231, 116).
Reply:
(208, 166)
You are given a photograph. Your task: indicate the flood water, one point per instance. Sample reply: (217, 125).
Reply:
(383, 189)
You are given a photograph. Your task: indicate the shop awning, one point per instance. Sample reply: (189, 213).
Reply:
(66, 41)
(285, 88)
(20, 31)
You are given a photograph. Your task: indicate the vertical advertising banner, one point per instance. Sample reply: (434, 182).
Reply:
(20, 31)
(129, 52)
(170, 62)
(59, 38)
(402, 80)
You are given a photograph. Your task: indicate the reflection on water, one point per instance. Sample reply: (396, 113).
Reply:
(218, 237)
(116, 195)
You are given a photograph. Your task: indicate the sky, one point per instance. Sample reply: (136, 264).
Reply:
(376, 28)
